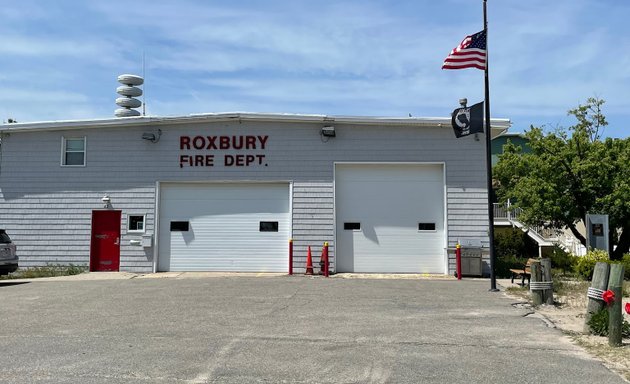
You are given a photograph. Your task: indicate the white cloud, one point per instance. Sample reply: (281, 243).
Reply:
(353, 57)
(17, 95)
(24, 11)
(50, 105)
(351, 39)
(27, 46)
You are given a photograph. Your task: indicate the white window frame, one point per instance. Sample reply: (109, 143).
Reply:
(63, 151)
(144, 223)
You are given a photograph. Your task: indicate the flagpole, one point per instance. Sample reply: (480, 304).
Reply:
(493, 278)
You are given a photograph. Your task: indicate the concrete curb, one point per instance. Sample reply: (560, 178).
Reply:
(96, 276)
(393, 276)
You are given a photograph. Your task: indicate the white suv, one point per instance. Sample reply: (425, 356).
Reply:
(8, 257)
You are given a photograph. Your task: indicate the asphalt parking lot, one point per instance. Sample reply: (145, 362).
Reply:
(224, 329)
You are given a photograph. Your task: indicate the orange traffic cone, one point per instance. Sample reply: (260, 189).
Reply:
(309, 262)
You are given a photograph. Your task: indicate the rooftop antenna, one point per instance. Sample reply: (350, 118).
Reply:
(144, 95)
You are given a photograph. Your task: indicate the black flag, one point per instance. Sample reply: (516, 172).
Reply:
(468, 120)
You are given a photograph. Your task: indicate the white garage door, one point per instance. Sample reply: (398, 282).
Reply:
(390, 218)
(224, 227)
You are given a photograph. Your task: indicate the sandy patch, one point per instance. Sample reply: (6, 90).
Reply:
(568, 315)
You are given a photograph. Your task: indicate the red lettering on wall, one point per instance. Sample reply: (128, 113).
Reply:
(184, 142)
(243, 160)
(196, 161)
(199, 142)
(224, 142)
(234, 160)
(211, 142)
(185, 160)
(263, 141)
(240, 142)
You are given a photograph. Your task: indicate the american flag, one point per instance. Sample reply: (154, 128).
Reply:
(470, 53)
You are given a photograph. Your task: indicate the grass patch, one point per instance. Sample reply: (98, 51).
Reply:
(517, 289)
(570, 287)
(522, 292)
(46, 271)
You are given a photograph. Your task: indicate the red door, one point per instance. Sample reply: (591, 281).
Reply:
(105, 245)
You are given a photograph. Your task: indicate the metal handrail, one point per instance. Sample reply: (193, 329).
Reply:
(505, 211)
(500, 211)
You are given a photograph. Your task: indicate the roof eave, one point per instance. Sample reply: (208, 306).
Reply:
(498, 125)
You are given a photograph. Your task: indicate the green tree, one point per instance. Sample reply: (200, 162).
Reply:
(569, 173)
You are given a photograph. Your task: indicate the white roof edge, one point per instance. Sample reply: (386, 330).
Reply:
(502, 124)
(519, 134)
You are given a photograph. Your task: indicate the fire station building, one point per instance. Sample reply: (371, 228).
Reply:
(226, 192)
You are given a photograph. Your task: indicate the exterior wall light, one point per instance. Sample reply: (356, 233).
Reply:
(328, 131)
(152, 137)
(107, 202)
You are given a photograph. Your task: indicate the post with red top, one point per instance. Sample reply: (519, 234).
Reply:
(326, 273)
(458, 260)
(290, 256)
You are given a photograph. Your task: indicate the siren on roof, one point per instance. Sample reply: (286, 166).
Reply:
(129, 91)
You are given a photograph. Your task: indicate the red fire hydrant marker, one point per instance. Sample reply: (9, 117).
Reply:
(290, 256)
(458, 260)
(326, 272)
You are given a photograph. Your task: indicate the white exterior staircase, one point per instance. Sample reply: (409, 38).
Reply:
(545, 237)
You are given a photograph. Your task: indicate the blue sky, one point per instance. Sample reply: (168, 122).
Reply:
(60, 59)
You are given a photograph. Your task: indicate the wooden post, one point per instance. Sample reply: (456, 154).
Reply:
(615, 318)
(546, 271)
(600, 281)
(537, 294)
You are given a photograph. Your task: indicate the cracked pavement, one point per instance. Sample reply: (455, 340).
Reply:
(238, 329)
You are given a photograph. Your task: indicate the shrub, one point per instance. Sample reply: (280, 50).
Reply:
(509, 249)
(585, 264)
(599, 324)
(72, 269)
(562, 260)
(50, 270)
(509, 242)
(625, 260)
(505, 263)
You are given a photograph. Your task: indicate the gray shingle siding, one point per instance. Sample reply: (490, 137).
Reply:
(313, 221)
(47, 208)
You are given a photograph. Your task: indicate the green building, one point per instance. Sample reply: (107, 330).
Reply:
(499, 141)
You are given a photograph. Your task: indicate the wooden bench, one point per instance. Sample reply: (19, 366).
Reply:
(526, 272)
